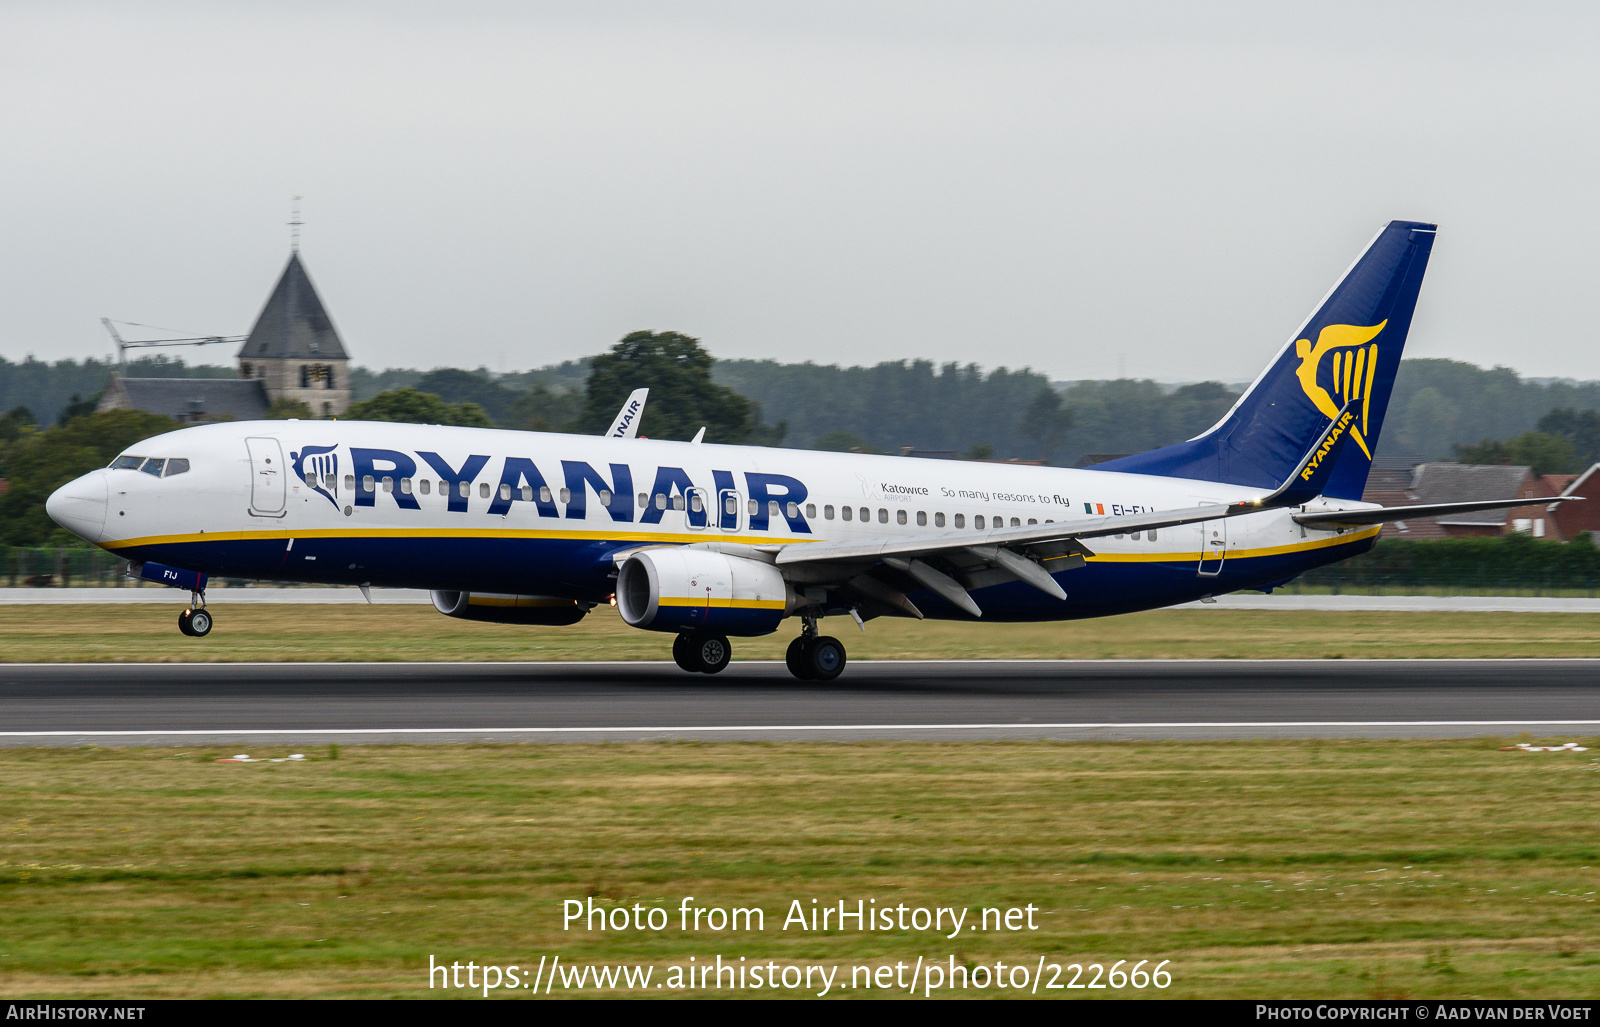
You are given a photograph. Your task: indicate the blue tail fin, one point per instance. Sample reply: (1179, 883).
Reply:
(1348, 349)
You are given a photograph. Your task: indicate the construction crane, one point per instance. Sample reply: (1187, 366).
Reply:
(123, 345)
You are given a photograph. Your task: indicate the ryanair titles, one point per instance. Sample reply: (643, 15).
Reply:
(766, 499)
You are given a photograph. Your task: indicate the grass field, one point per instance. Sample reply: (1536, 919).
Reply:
(148, 632)
(1318, 868)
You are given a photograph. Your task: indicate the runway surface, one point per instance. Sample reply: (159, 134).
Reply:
(305, 704)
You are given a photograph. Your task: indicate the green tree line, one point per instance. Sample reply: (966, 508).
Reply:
(1496, 564)
(1437, 405)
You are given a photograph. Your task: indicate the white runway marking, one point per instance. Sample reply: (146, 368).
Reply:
(1024, 726)
(1228, 661)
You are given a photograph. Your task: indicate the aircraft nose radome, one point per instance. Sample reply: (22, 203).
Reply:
(80, 506)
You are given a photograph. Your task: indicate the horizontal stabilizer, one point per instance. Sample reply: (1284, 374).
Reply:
(1406, 513)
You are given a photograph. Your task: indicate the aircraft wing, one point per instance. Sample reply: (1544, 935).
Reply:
(915, 545)
(881, 570)
(626, 426)
(1405, 513)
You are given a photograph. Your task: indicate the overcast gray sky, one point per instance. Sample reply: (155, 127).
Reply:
(1046, 184)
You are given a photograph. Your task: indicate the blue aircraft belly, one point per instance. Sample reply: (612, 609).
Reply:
(583, 569)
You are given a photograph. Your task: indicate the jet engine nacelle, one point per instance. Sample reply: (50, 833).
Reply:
(696, 589)
(509, 609)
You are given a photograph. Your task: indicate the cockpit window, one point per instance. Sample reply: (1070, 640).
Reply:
(177, 465)
(153, 466)
(127, 463)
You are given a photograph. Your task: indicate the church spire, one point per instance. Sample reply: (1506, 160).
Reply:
(294, 323)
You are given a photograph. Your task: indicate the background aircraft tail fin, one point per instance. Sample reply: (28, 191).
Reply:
(1347, 351)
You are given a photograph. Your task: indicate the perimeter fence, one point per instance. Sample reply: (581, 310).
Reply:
(54, 568)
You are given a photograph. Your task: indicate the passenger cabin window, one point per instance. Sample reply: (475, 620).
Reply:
(367, 483)
(961, 520)
(544, 493)
(388, 483)
(1152, 534)
(811, 510)
(424, 486)
(1015, 523)
(1136, 536)
(349, 483)
(483, 490)
(177, 465)
(866, 515)
(505, 490)
(731, 506)
(566, 496)
(899, 516)
(644, 500)
(827, 512)
(922, 518)
(155, 465)
(1033, 520)
(677, 502)
(330, 481)
(695, 504)
(127, 463)
(605, 497)
(793, 510)
(848, 512)
(465, 490)
(938, 520)
(526, 492)
(661, 500)
(977, 522)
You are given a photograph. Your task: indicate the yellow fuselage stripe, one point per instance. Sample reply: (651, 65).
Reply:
(683, 538)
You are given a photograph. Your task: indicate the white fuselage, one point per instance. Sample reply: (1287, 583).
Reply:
(439, 507)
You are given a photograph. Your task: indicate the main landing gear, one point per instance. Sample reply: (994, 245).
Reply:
(196, 620)
(813, 657)
(702, 653)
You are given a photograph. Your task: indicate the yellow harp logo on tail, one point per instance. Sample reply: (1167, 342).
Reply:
(1354, 365)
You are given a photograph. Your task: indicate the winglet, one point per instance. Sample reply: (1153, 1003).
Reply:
(626, 426)
(1311, 476)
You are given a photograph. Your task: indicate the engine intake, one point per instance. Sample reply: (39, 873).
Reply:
(696, 589)
(498, 608)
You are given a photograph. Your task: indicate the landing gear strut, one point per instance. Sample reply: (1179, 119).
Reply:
(702, 652)
(814, 657)
(196, 620)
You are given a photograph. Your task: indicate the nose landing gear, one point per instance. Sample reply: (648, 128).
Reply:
(813, 657)
(196, 620)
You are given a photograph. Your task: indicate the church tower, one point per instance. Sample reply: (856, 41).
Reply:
(294, 351)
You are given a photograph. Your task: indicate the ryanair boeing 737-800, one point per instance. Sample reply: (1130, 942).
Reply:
(705, 541)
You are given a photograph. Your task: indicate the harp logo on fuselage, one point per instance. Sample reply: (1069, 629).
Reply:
(1350, 372)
